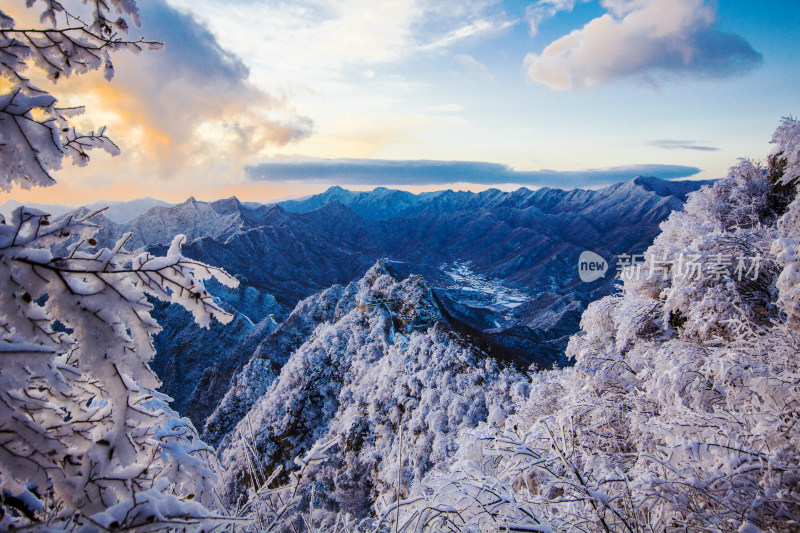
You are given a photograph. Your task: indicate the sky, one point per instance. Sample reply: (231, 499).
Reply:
(274, 99)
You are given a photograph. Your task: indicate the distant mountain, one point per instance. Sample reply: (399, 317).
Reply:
(117, 212)
(502, 265)
(54, 209)
(121, 212)
(378, 204)
(382, 203)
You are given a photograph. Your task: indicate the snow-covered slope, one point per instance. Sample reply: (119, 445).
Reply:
(122, 212)
(192, 218)
(117, 212)
(196, 365)
(378, 371)
(266, 361)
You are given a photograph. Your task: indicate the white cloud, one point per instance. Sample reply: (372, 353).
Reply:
(183, 113)
(677, 144)
(309, 41)
(643, 38)
(544, 9)
(475, 65)
(468, 31)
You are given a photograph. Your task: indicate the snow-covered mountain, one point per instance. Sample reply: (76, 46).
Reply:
(375, 370)
(382, 203)
(379, 204)
(502, 266)
(121, 212)
(54, 209)
(117, 212)
(196, 365)
(217, 220)
(680, 412)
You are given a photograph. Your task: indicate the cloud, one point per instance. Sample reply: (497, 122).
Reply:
(313, 41)
(191, 51)
(475, 65)
(646, 39)
(468, 31)
(673, 144)
(399, 173)
(536, 13)
(187, 111)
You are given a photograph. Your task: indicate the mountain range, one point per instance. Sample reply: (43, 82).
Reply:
(502, 266)
(117, 212)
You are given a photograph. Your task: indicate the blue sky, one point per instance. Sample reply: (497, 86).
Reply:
(263, 98)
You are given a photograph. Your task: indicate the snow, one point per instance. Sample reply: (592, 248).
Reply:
(77, 394)
(787, 148)
(681, 411)
(490, 293)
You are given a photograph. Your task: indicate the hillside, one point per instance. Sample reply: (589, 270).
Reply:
(377, 369)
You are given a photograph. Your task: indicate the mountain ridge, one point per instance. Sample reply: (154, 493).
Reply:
(379, 348)
(502, 265)
(371, 204)
(118, 212)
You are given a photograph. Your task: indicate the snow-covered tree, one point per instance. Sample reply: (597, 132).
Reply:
(86, 441)
(681, 412)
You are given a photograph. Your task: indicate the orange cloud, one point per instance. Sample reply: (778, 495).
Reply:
(184, 118)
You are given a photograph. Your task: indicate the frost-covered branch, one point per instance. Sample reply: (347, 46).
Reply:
(80, 421)
(35, 134)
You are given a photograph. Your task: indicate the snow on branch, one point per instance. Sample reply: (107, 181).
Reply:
(35, 134)
(79, 416)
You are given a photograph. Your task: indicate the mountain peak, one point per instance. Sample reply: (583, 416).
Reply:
(335, 206)
(650, 182)
(227, 205)
(379, 369)
(410, 302)
(677, 188)
(381, 268)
